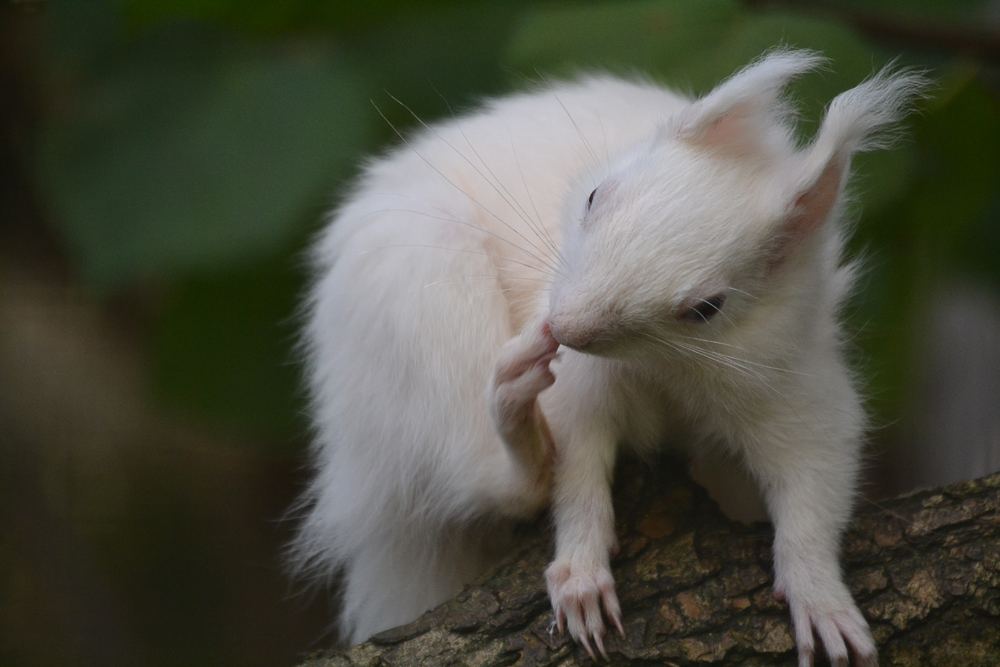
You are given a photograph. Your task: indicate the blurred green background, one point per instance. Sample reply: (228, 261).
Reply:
(163, 164)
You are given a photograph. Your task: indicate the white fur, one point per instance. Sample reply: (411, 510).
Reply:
(430, 441)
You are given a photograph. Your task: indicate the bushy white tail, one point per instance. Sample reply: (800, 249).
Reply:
(392, 579)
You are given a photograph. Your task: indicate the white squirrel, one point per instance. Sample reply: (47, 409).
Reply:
(684, 256)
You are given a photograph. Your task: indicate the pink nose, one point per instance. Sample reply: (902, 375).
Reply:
(564, 331)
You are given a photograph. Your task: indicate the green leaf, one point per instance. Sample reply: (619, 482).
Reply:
(662, 38)
(961, 143)
(190, 149)
(269, 16)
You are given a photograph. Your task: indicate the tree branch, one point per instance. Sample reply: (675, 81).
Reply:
(696, 588)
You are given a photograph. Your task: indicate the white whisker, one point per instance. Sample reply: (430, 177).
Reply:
(545, 232)
(509, 198)
(583, 138)
(472, 252)
(460, 222)
(521, 212)
(723, 360)
(488, 276)
(477, 170)
(747, 294)
(742, 360)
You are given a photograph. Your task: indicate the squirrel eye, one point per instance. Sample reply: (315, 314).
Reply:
(705, 310)
(590, 199)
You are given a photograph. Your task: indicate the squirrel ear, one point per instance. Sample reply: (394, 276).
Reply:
(735, 130)
(809, 208)
(741, 113)
(856, 121)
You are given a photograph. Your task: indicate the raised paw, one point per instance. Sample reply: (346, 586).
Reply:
(840, 631)
(521, 373)
(582, 598)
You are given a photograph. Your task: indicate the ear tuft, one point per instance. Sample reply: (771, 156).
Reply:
(860, 119)
(744, 111)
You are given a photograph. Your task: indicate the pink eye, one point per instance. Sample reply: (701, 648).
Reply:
(705, 310)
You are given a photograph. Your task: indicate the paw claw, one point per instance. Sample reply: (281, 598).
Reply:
(586, 645)
(840, 627)
(600, 645)
(585, 599)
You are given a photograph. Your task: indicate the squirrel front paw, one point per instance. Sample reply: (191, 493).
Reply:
(838, 623)
(521, 373)
(582, 597)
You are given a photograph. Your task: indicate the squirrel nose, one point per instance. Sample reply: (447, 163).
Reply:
(569, 333)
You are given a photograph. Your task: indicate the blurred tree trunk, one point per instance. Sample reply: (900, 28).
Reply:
(696, 588)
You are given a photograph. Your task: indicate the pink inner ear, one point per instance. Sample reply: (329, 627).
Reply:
(733, 131)
(813, 206)
(729, 131)
(809, 211)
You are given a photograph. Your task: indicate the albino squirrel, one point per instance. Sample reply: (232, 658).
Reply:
(508, 297)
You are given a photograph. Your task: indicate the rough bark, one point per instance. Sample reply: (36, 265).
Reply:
(696, 588)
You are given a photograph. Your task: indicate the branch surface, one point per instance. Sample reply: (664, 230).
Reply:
(695, 588)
